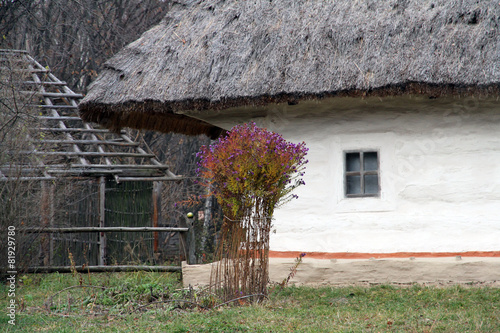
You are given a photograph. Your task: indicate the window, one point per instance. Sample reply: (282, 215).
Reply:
(361, 174)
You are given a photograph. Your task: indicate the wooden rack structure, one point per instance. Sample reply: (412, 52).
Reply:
(63, 146)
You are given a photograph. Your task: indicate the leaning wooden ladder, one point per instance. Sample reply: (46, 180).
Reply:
(90, 152)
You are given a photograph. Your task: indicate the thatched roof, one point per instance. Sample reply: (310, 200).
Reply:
(217, 54)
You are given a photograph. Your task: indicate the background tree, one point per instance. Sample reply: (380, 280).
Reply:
(74, 38)
(19, 199)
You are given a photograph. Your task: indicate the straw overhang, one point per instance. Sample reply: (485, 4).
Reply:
(213, 55)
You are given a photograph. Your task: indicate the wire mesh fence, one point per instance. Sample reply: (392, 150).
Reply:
(71, 204)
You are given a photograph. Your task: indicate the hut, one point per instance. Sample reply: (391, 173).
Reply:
(397, 101)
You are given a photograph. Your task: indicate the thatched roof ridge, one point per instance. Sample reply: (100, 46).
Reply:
(214, 54)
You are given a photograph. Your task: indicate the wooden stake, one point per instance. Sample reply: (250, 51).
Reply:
(156, 212)
(51, 221)
(102, 212)
(45, 222)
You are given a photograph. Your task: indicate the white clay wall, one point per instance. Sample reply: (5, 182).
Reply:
(439, 174)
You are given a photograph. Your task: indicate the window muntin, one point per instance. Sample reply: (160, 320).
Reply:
(362, 174)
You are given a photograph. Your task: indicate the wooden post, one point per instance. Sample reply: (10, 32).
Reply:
(102, 212)
(157, 186)
(51, 221)
(187, 241)
(191, 242)
(183, 253)
(45, 222)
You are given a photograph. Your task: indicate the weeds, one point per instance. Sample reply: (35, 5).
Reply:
(137, 292)
(151, 302)
(293, 271)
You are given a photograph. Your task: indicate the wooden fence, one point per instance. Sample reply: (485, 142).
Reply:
(186, 248)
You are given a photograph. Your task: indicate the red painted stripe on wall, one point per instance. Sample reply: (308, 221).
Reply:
(358, 255)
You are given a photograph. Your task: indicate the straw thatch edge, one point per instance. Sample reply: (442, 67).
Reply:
(148, 115)
(168, 116)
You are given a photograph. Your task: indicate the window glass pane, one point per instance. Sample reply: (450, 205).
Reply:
(353, 185)
(371, 184)
(370, 162)
(352, 162)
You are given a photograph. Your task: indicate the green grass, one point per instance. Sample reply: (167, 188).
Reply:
(125, 306)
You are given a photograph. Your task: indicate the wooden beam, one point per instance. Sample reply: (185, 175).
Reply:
(24, 179)
(29, 167)
(53, 106)
(103, 229)
(47, 83)
(101, 268)
(80, 130)
(121, 166)
(128, 174)
(151, 179)
(64, 170)
(50, 94)
(25, 70)
(59, 118)
(87, 154)
(79, 172)
(89, 142)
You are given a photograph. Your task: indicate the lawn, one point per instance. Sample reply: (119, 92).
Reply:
(147, 302)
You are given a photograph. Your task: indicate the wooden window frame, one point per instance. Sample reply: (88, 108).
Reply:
(361, 173)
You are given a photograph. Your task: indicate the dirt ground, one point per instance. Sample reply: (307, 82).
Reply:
(343, 272)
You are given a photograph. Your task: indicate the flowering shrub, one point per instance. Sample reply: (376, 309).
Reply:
(250, 171)
(252, 163)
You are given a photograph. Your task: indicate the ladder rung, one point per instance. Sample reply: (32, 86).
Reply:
(123, 166)
(47, 83)
(89, 142)
(81, 130)
(25, 70)
(54, 106)
(83, 171)
(59, 118)
(87, 154)
(49, 94)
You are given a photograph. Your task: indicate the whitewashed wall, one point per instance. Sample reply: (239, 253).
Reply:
(439, 170)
